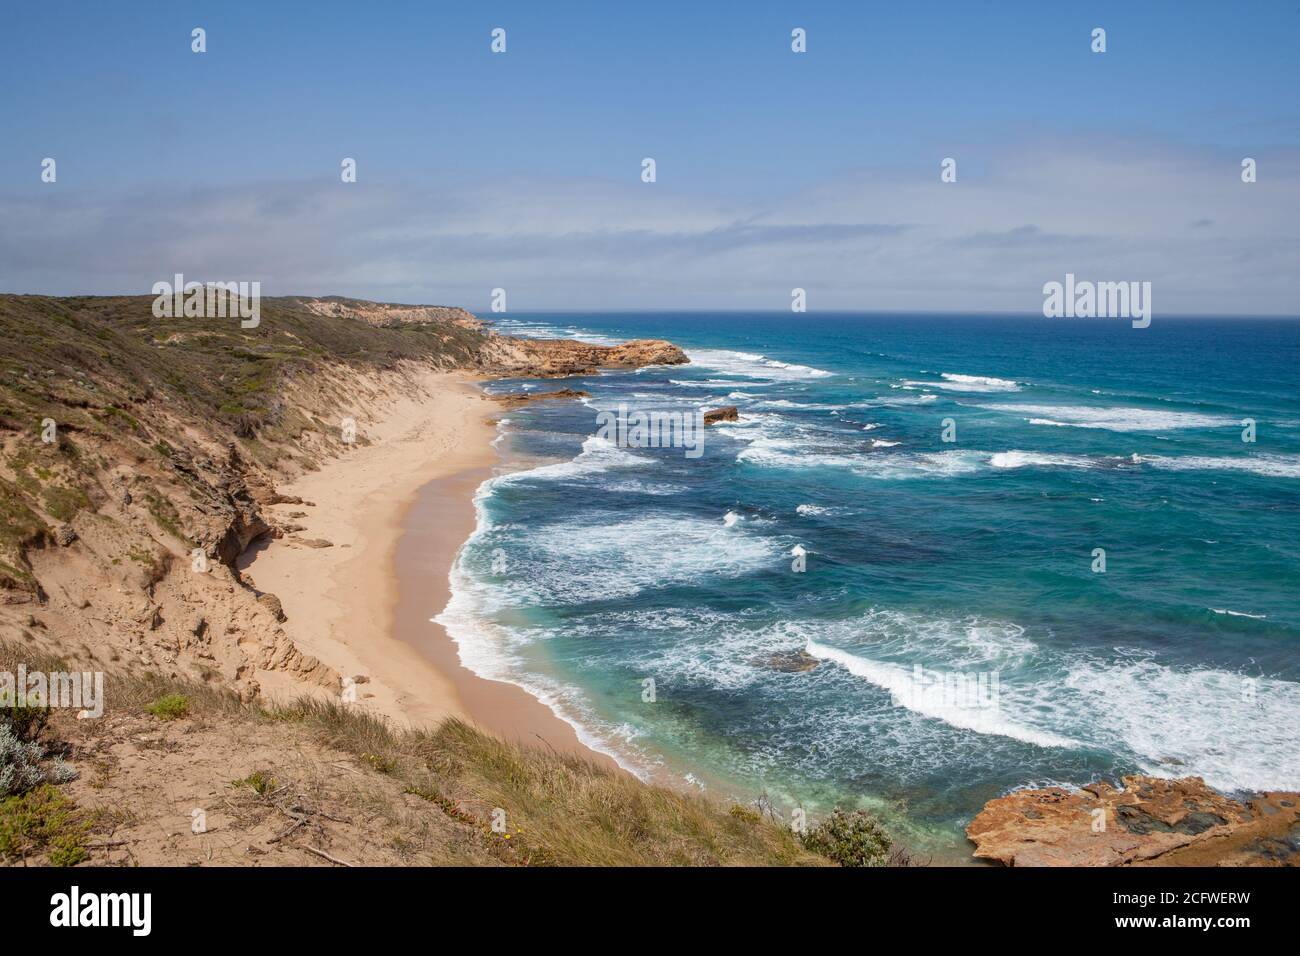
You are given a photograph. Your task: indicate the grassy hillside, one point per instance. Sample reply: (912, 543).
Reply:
(281, 785)
(76, 358)
(126, 388)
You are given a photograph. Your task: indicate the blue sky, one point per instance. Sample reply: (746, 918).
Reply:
(774, 169)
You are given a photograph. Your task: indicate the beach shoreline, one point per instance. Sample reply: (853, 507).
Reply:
(395, 513)
(440, 512)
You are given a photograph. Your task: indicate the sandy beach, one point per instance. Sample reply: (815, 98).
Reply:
(395, 512)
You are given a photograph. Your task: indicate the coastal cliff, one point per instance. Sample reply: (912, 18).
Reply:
(557, 358)
(139, 456)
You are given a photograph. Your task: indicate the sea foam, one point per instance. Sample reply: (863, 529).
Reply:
(906, 691)
(1183, 721)
(1116, 419)
(954, 382)
(1271, 466)
(752, 365)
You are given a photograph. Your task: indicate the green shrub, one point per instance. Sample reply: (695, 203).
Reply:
(22, 764)
(164, 512)
(43, 819)
(68, 849)
(113, 412)
(850, 838)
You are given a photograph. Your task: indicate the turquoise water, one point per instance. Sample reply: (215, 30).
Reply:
(596, 567)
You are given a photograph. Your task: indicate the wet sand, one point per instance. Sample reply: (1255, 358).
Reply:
(434, 527)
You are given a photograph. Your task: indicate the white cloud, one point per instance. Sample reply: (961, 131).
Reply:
(868, 239)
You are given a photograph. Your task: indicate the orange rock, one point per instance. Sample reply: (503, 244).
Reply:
(554, 358)
(515, 399)
(727, 413)
(1150, 822)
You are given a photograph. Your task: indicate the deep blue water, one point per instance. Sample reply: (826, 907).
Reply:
(596, 567)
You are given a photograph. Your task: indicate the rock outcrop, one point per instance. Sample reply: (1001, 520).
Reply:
(1149, 822)
(515, 399)
(727, 413)
(557, 358)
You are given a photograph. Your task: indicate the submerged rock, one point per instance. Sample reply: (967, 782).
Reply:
(1150, 821)
(791, 662)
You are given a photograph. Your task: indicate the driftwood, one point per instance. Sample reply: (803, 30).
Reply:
(332, 859)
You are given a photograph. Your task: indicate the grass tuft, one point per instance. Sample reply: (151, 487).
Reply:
(170, 707)
(259, 781)
(747, 814)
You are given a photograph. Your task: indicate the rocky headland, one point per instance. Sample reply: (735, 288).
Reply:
(1148, 821)
(558, 358)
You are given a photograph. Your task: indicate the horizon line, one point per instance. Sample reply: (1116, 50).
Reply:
(489, 315)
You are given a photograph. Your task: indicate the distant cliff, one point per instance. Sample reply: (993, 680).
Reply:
(388, 314)
(501, 354)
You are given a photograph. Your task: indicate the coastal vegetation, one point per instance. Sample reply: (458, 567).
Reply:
(445, 795)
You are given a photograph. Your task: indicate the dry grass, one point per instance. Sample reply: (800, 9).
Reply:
(558, 810)
(480, 799)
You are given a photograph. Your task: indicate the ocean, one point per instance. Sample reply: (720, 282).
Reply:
(1034, 552)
